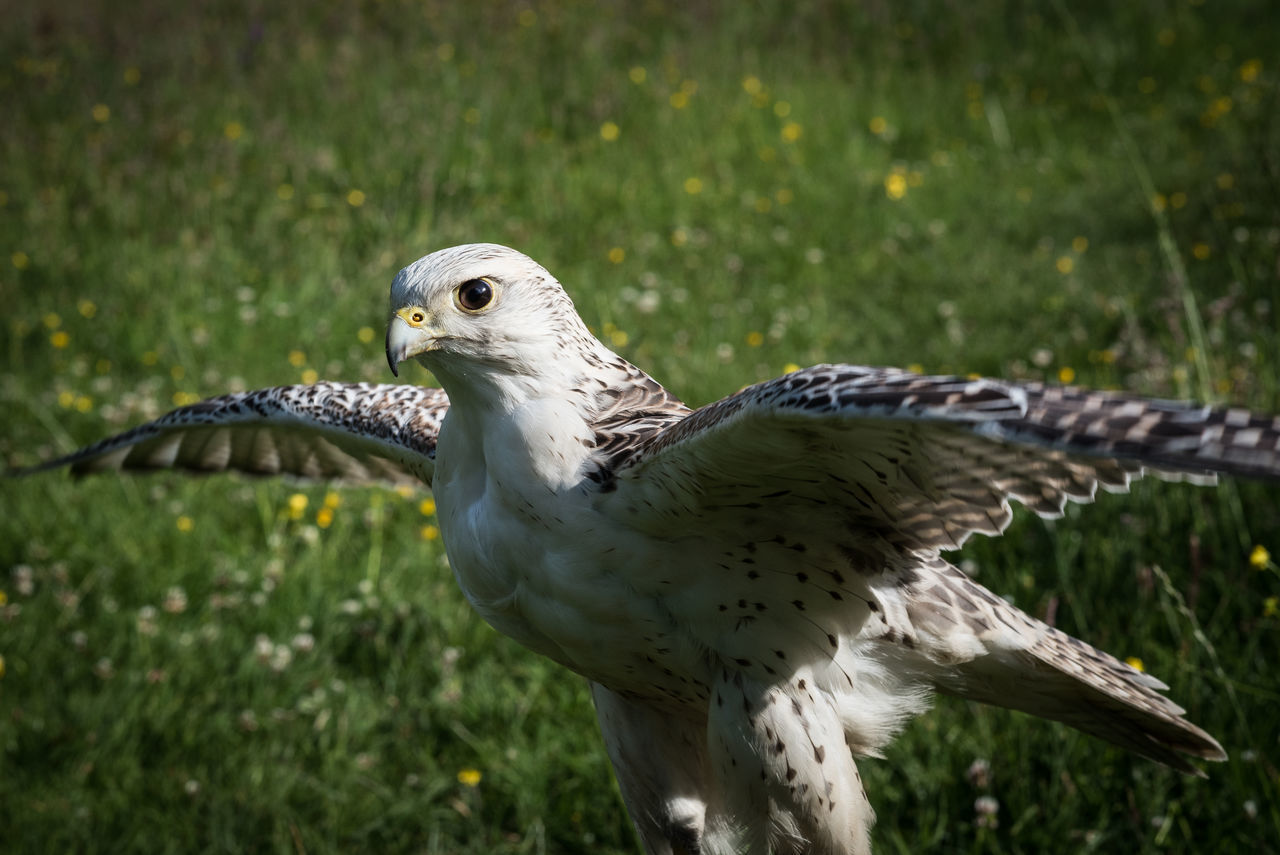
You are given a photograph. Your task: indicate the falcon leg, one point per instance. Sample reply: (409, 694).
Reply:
(660, 763)
(782, 762)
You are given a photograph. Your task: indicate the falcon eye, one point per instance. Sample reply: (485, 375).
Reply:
(418, 317)
(475, 294)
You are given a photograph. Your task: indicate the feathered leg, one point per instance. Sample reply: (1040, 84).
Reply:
(783, 765)
(660, 761)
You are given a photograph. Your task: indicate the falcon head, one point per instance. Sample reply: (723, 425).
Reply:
(478, 305)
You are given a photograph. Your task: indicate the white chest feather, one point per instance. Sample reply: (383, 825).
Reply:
(518, 525)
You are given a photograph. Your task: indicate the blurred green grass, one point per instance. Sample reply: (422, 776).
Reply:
(195, 200)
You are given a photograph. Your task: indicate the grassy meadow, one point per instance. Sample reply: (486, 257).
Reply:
(216, 197)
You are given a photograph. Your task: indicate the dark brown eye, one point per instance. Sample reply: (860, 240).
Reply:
(475, 294)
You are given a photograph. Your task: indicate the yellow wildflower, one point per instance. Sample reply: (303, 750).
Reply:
(1260, 558)
(469, 777)
(429, 532)
(895, 185)
(1135, 663)
(1066, 374)
(185, 523)
(297, 504)
(427, 507)
(609, 131)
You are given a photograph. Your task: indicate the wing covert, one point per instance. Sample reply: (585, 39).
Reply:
(905, 462)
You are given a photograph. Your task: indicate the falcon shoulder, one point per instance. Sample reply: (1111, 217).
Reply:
(348, 432)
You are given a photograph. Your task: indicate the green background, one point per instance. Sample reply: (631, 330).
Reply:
(214, 197)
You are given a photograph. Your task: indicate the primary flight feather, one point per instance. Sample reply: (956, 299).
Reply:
(756, 589)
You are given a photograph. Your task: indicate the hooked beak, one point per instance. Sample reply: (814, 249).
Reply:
(405, 340)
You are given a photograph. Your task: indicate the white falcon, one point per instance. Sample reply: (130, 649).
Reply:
(756, 589)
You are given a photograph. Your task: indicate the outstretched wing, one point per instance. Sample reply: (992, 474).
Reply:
(350, 432)
(925, 462)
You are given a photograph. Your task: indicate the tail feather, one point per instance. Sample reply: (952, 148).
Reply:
(1064, 679)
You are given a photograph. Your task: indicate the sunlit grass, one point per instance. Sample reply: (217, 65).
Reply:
(201, 201)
